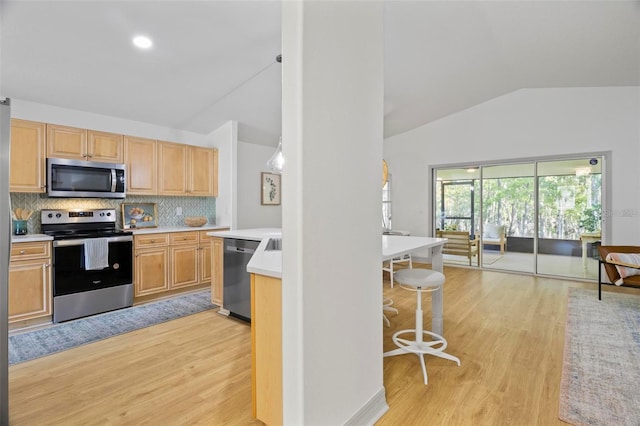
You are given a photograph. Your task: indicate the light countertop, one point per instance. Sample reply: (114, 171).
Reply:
(255, 234)
(159, 230)
(28, 238)
(269, 263)
(262, 262)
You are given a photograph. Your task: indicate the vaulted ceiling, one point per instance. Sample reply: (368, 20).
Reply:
(214, 61)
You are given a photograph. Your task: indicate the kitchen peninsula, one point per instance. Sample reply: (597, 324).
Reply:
(265, 267)
(217, 256)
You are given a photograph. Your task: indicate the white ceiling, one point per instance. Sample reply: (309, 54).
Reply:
(441, 57)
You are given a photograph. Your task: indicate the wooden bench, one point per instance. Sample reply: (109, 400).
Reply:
(459, 244)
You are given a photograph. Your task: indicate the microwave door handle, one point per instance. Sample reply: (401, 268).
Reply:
(113, 180)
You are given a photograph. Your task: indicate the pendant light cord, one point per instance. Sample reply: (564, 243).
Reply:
(257, 73)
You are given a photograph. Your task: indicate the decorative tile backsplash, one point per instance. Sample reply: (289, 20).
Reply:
(191, 206)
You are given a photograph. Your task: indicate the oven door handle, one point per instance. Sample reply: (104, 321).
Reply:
(113, 180)
(80, 241)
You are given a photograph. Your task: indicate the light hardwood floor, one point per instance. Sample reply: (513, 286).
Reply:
(507, 330)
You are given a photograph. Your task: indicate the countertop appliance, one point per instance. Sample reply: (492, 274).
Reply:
(82, 240)
(237, 281)
(77, 178)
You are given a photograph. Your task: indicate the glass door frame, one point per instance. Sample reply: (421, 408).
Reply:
(606, 191)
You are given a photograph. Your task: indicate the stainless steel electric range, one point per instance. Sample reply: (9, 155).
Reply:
(92, 262)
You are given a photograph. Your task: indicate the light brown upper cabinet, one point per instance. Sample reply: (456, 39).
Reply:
(81, 144)
(172, 163)
(104, 147)
(187, 170)
(140, 157)
(203, 172)
(28, 156)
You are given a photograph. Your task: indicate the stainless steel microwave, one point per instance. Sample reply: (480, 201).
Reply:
(76, 178)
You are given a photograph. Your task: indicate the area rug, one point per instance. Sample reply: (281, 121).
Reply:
(59, 337)
(601, 366)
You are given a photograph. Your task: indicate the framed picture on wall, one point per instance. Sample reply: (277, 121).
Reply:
(270, 189)
(139, 215)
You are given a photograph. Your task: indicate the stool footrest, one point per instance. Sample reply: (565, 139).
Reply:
(421, 348)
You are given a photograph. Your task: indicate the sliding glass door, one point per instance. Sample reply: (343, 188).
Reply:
(508, 217)
(540, 217)
(569, 217)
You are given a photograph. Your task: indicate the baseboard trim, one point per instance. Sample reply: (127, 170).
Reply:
(370, 412)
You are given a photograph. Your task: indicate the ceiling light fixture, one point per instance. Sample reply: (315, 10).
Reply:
(143, 42)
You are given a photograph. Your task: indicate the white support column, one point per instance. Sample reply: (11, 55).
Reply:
(332, 143)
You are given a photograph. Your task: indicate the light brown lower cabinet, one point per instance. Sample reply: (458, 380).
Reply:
(185, 259)
(266, 348)
(151, 270)
(204, 248)
(217, 270)
(171, 261)
(29, 281)
(151, 264)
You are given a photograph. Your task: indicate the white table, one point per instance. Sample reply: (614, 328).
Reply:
(269, 263)
(395, 246)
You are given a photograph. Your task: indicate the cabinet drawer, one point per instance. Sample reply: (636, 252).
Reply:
(203, 238)
(33, 250)
(150, 240)
(183, 237)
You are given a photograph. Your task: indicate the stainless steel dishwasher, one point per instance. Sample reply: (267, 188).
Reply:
(237, 281)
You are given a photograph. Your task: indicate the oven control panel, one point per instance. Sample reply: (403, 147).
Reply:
(78, 216)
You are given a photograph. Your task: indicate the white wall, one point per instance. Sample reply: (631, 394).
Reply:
(226, 140)
(252, 160)
(332, 143)
(525, 124)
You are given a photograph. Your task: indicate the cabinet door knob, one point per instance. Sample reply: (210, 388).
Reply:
(153, 241)
(46, 265)
(21, 251)
(89, 155)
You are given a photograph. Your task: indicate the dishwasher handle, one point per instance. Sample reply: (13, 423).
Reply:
(235, 249)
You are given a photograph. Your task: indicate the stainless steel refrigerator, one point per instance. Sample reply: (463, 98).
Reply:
(5, 248)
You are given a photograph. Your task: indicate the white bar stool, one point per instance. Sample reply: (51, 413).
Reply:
(387, 265)
(386, 306)
(420, 280)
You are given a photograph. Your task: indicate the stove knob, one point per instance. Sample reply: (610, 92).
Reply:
(58, 215)
(50, 215)
(102, 214)
(108, 213)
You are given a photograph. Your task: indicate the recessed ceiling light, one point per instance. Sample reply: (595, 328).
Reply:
(142, 42)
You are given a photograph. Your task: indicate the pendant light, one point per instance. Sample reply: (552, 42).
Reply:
(276, 161)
